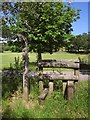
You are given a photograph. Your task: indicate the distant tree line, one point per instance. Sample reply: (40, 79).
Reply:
(79, 43)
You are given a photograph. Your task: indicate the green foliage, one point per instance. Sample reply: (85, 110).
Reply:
(6, 33)
(6, 47)
(86, 59)
(10, 83)
(12, 78)
(53, 107)
(78, 43)
(47, 25)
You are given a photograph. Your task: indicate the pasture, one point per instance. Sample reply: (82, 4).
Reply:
(9, 57)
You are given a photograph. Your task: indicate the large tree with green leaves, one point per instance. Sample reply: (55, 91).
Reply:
(48, 25)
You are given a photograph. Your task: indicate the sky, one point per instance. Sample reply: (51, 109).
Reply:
(81, 25)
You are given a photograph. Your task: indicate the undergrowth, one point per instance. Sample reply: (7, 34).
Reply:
(53, 107)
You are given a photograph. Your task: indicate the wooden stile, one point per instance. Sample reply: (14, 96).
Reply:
(68, 81)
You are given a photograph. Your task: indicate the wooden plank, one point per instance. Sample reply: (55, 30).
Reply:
(76, 84)
(70, 90)
(58, 64)
(50, 87)
(64, 87)
(43, 94)
(57, 77)
(76, 72)
(40, 86)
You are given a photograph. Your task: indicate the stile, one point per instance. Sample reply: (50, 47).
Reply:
(68, 81)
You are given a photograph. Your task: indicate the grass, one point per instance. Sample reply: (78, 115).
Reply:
(7, 58)
(54, 107)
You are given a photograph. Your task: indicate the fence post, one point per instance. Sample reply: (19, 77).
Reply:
(76, 72)
(50, 87)
(70, 90)
(64, 87)
(40, 86)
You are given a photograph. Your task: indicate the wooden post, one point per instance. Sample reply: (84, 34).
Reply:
(64, 87)
(50, 87)
(76, 72)
(70, 90)
(25, 76)
(40, 81)
(25, 59)
(40, 86)
(76, 84)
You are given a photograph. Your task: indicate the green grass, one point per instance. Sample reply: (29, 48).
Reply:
(7, 58)
(53, 107)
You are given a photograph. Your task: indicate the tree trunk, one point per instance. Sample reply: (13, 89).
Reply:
(39, 56)
(25, 73)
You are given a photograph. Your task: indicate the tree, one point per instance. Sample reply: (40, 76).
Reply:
(48, 24)
(78, 43)
(6, 33)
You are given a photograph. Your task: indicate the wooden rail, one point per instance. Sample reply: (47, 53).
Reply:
(58, 64)
(57, 77)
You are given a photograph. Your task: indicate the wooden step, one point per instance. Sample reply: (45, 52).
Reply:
(43, 94)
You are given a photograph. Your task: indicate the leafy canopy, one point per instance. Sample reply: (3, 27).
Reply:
(47, 25)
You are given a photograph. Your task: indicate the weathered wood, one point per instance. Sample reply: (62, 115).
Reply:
(25, 74)
(76, 84)
(70, 90)
(58, 64)
(40, 86)
(64, 87)
(50, 87)
(43, 94)
(68, 80)
(76, 71)
(57, 77)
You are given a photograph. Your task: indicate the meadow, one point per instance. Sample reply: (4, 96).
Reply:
(9, 57)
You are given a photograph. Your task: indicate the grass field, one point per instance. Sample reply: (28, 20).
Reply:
(52, 107)
(8, 57)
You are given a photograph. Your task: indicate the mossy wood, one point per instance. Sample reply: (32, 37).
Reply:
(58, 64)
